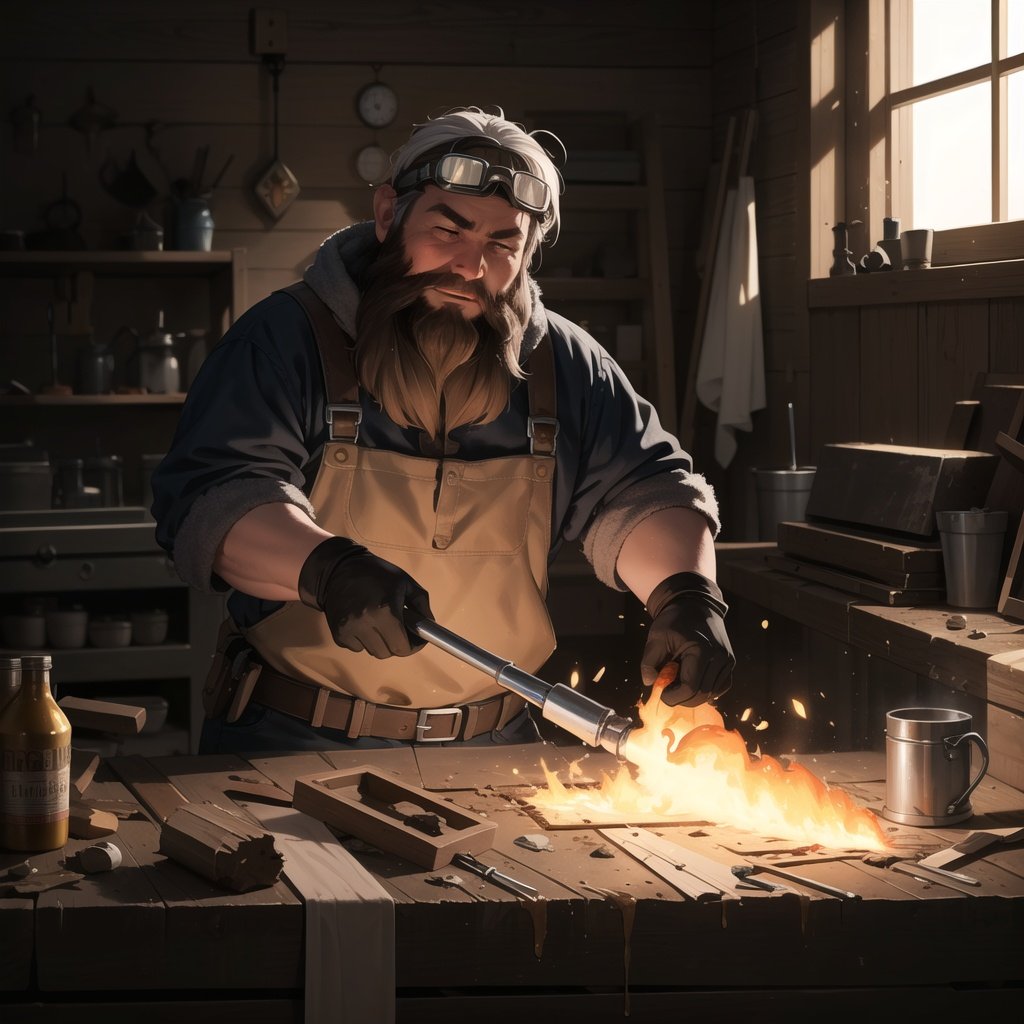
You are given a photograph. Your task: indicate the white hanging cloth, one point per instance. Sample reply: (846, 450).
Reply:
(730, 374)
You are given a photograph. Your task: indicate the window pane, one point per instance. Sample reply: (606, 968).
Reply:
(1015, 148)
(952, 160)
(1014, 27)
(937, 22)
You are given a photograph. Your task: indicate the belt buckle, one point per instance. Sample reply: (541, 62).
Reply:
(422, 726)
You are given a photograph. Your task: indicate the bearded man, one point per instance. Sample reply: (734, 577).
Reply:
(408, 433)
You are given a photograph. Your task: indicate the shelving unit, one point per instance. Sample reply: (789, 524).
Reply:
(635, 227)
(108, 559)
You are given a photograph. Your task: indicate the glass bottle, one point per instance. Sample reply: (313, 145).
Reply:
(10, 679)
(35, 764)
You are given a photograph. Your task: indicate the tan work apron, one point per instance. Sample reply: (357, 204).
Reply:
(475, 535)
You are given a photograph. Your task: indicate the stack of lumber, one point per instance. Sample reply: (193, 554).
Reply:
(871, 527)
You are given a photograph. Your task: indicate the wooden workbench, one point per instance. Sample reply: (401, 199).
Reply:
(153, 941)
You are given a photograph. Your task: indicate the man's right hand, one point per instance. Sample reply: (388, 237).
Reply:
(363, 598)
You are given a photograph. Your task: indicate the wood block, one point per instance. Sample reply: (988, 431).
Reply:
(881, 557)
(363, 802)
(894, 487)
(103, 715)
(1006, 746)
(872, 590)
(222, 847)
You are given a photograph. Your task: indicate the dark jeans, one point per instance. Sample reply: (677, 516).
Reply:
(263, 730)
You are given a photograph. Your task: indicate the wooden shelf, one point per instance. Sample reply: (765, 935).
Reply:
(89, 664)
(46, 264)
(24, 400)
(605, 197)
(969, 281)
(175, 399)
(594, 289)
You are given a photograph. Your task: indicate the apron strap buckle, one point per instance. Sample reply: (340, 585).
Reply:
(349, 416)
(543, 441)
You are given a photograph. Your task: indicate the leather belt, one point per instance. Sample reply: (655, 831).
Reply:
(322, 707)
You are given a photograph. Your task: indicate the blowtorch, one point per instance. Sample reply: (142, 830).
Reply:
(584, 718)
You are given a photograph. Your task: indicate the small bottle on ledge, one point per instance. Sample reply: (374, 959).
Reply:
(842, 257)
(35, 764)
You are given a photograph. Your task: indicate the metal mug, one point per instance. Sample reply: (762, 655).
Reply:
(928, 766)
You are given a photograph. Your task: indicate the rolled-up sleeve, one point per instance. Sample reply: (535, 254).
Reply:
(243, 439)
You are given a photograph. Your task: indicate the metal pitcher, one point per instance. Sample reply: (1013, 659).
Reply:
(928, 766)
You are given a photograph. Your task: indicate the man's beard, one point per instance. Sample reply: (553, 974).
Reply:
(434, 368)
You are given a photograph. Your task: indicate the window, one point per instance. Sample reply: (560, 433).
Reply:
(916, 111)
(956, 101)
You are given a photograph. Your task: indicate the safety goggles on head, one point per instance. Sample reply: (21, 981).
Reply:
(472, 175)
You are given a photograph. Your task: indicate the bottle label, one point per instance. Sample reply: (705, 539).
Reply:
(35, 786)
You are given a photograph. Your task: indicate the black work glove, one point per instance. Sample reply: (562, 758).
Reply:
(688, 627)
(363, 598)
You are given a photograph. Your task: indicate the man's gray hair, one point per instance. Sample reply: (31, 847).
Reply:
(472, 122)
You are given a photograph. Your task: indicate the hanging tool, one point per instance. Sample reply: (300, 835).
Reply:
(584, 718)
(506, 882)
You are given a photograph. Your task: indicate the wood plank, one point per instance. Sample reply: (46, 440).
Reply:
(835, 374)
(544, 35)
(953, 351)
(1006, 328)
(17, 929)
(881, 593)
(1006, 745)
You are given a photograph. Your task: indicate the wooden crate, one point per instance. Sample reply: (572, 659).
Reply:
(898, 488)
(362, 802)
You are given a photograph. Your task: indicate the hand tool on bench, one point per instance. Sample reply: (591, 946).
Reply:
(492, 874)
(810, 883)
(584, 718)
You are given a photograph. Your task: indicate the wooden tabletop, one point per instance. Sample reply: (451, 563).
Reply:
(152, 925)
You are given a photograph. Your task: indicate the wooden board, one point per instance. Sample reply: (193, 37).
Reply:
(894, 487)
(888, 559)
(870, 589)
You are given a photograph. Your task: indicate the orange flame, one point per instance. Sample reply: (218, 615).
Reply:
(690, 766)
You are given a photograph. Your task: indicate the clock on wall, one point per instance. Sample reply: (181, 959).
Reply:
(377, 105)
(373, 164)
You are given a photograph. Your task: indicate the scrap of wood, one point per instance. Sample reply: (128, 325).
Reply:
(86, 822)
(221, 847)
(39, 882)
(263, 791)
(120, 809)
(83, 767)
(103, 715)
(151, 787)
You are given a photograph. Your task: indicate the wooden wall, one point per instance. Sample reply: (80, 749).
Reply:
(184, 70)
(757, 63)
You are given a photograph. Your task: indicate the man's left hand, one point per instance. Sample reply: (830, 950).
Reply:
(688, 627)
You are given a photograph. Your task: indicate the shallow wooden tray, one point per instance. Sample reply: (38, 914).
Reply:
(360, 801)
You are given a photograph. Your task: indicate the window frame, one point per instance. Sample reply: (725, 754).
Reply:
(865, 187)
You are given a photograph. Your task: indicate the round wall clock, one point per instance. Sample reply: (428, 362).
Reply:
(377, 105)
(373, 164)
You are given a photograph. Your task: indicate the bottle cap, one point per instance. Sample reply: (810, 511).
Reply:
(36, 662)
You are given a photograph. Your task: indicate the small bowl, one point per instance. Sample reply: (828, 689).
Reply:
(149, 627)
(66, 629)
(110, 632)
(24, 632)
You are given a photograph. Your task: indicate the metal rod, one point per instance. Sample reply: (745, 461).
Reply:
(792, 438)
(809, 882)
(584, 718)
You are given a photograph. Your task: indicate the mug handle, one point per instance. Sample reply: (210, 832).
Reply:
(954, 741)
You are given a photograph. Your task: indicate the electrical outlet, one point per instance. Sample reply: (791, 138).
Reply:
(268, 31)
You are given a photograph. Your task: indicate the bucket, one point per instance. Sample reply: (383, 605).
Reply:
(781, 498)
(972, 552)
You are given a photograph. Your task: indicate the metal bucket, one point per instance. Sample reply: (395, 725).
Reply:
(928, 766)
(782, 496)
